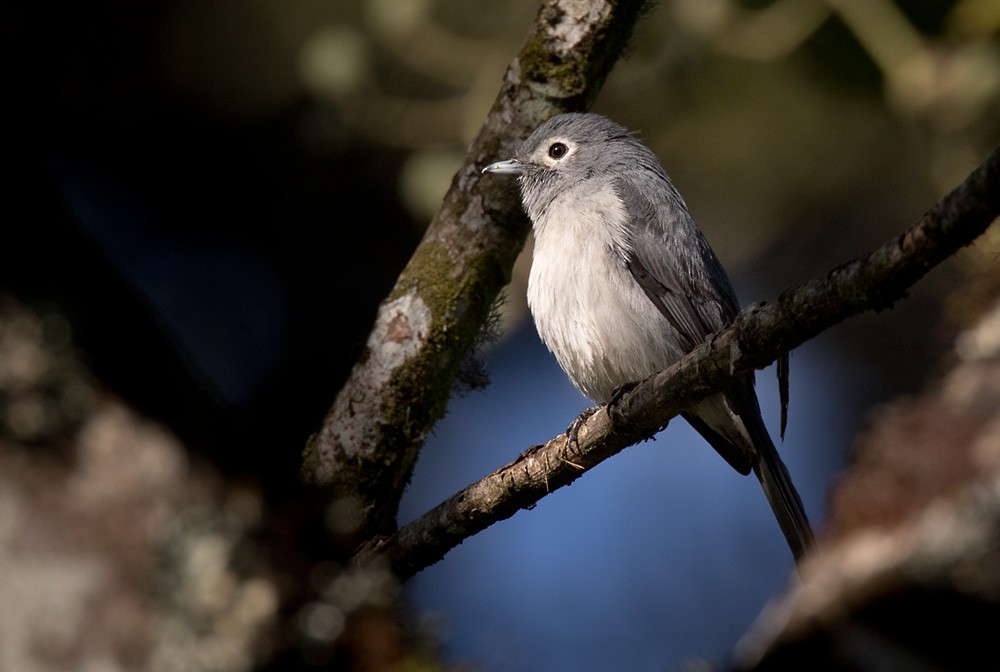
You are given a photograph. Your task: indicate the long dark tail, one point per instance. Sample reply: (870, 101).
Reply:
(780, 492)
(762, 458)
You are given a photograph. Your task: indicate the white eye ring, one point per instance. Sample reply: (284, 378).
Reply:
(558, 150)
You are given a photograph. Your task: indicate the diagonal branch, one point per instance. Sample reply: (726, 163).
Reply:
(759, 335)
(369, 441)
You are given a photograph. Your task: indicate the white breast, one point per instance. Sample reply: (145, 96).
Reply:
(588, 310)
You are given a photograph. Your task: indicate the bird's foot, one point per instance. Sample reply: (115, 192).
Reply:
(613, 411)
(573, 431)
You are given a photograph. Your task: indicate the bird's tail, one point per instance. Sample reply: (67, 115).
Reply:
(760, 456)
(781, 493)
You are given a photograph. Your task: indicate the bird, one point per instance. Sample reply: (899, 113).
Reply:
(623, 284)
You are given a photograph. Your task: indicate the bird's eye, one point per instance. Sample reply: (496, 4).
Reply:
(557, 150)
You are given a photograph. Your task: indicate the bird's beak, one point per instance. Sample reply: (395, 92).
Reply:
(511, 166)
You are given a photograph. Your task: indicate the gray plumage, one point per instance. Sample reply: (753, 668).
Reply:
(623, 284)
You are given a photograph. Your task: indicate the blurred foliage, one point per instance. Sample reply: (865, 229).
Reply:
(784, 123)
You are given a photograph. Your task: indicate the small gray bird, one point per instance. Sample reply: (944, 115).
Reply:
(623, 284)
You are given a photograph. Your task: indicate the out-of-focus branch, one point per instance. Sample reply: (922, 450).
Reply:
(759, 335)
(912, 546)
(399, 387)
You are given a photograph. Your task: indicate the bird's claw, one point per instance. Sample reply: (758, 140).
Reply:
(573, 431)
(613, 411)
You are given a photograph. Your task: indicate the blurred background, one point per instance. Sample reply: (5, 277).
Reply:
(206, 200)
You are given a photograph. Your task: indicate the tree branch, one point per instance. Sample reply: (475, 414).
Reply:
(758, 336)
(398, 389)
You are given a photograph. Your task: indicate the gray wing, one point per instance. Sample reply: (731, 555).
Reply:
(677, 270)
(671, 261)
(690, 290)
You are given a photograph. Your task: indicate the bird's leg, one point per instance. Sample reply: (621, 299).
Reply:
(573, 431)
(613, 412)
